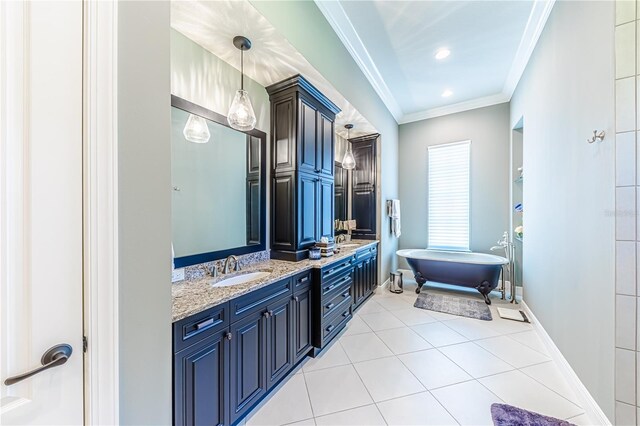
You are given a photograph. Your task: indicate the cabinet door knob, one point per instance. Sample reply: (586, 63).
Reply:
(296, 298)
(228, 336)
(266, 314)
(270, 314)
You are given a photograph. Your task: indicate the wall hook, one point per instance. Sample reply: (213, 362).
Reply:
(596, 136)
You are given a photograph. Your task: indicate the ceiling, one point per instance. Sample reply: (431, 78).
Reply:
(394, 43)
(213, 24)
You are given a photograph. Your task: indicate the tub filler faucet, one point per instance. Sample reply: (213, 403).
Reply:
(509, 253)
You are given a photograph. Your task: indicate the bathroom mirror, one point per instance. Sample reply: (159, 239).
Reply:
(219, 193)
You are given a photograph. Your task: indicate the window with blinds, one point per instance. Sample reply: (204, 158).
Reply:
(448, 211)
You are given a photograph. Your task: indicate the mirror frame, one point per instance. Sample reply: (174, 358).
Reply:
(194, 259)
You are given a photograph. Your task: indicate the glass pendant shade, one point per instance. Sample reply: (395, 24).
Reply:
(241, 116)
(196, 130)
(348, 161)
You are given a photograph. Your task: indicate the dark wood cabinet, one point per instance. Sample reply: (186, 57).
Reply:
(302, 147)
(302, 324)
(308, 211)
(364, 208)
(201, 373)
(227, 358)
(325, 208)
(365, 275)
(279, 340)
(248, 382)
(326, 145)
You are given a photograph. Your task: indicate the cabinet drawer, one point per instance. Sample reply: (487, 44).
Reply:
(259, 299)
(332, 286)
(335, 269)
(337, 302)
(333, 327)
(193, 329)
(367, 252)
(302, 281)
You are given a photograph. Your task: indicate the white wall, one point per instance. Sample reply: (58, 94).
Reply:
(565, 93)
(488, 130)
(308, 31)
(144, 201)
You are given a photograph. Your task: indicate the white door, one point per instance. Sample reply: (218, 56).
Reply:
(41, 210)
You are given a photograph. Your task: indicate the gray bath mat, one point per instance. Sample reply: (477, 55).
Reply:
(454, 305)
(508, 415)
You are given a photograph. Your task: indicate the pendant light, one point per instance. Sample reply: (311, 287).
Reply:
(241, 116)
(196, 129)
(348, 161)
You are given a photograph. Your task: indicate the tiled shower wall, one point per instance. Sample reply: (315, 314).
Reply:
(627, 68)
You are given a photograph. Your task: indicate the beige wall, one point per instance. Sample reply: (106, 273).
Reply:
(144, 203)
(488, 130)
(566, 92)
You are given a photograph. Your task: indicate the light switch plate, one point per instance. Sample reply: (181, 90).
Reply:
(177, 275)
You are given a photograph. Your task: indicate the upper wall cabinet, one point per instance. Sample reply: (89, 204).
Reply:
(364, 178)
(302, 152)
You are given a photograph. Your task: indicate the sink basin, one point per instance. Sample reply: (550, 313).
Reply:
(241, 279)
(348, 245)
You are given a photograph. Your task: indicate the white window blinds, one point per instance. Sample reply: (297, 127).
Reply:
(448, 213)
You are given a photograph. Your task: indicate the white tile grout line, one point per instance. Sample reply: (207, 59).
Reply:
(352, 364)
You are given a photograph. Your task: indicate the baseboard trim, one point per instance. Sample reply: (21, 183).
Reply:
(385, 284)
(591, 407)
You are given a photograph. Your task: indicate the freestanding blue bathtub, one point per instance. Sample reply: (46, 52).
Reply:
(476, 270)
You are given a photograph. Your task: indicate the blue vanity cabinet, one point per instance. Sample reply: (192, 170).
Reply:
(227, 358)
(280, 356)
(302, 308)
(200, 368)
(365, 275)
(332, 291)
(248, 362)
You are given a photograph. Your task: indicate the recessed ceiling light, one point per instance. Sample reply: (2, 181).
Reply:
(442, 53)
(447, 93)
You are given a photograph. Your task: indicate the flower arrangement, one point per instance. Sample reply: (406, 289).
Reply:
(519, 231)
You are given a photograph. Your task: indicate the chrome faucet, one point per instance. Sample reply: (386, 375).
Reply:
(509, 253)
(225, 270)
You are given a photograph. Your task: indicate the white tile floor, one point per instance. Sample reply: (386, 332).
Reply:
(399, 365)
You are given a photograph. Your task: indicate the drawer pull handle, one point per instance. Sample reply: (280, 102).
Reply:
(345, 295)
(303, 279)
(345, 314)
(348, 277)
(204, 324)
(331, 327)
(331, 287)
(228, 336)
(330, 305)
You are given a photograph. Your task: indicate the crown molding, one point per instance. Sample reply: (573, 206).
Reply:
(342, 26)
(454, 108)
(535, 25)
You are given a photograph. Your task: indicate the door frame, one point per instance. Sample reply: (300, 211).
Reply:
(100, 215)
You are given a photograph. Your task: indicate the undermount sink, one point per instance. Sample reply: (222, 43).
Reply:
(348, 245)
(242, 278)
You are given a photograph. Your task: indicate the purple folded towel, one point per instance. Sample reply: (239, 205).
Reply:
(508, 415)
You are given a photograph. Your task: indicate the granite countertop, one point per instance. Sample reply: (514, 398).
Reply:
(191, 297)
